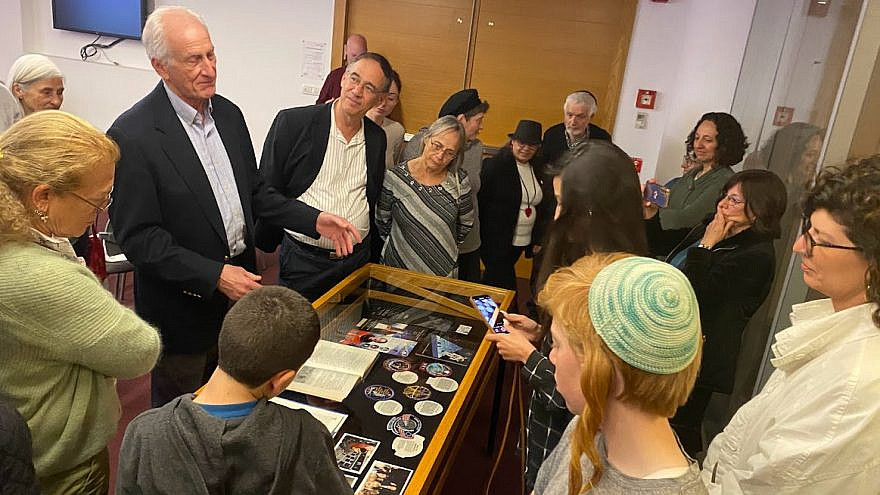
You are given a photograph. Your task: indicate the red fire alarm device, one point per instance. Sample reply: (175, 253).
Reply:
(638, 163)
(783, 116)
(646, 98)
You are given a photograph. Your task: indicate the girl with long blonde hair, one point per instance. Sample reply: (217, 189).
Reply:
(626, 347)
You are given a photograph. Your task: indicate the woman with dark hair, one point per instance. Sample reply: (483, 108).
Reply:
(730, 262)
(511, 201)
(815, 427)
(718, 143)
(598, 210)
(393, 130)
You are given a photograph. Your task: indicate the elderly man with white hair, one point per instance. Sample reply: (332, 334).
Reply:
(37, 83)
(186, 198)
(578, 109)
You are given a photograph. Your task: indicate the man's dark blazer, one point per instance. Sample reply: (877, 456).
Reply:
(554, 141)
(294, 152)
(167, 221)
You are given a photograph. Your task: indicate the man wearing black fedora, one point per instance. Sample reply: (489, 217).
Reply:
(513, 201)
(466, 106)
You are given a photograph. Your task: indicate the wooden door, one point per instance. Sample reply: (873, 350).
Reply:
(530, 54)
(426, 41)
(525, 55)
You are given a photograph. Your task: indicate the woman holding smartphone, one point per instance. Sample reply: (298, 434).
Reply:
(717, 142)
(598, 210)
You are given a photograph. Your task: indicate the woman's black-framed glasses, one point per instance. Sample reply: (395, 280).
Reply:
(100, 207)
(811, 243)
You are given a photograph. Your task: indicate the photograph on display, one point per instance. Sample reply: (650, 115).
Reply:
(354, 452)
(388, 343)
(384, 479)
(446, 349)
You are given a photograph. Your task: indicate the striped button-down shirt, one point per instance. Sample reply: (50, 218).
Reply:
(206, 141)
(341, 185)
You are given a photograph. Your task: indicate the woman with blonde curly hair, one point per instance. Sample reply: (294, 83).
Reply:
(63, 337)
(626, 346)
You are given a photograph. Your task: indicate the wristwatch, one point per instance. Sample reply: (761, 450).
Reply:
(701, 245)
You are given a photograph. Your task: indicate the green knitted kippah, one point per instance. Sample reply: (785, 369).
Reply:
(647, 314)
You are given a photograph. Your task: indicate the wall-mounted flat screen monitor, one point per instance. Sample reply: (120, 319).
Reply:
(119, 18)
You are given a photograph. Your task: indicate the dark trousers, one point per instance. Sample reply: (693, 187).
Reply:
(178, 374)
(501, 267)
(469, 266)
(688, 420)
(312, 272)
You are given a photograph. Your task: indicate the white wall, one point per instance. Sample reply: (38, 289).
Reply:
(10, 35)
(259, 52)
(690, 52)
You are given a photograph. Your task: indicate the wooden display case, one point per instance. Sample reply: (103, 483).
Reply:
(441, 306)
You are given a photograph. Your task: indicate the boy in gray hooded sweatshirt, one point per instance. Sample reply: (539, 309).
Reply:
(227, 438)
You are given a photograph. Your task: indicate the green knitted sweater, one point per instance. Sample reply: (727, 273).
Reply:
(63, 340)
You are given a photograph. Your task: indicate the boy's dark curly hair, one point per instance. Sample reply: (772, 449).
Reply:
(732, 142)
(851, 195)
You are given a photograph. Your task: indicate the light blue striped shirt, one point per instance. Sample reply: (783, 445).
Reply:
(209, 147)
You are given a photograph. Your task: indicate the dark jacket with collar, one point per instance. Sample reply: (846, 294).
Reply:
(555, 144)
(730, 281)
(500, 198)
(294, 152)
(167, 221)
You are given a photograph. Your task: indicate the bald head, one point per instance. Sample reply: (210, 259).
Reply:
(355, 45)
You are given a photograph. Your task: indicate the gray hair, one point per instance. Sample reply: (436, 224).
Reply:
(32, 68)
(153, 36)
(443, 125)
(584, 98)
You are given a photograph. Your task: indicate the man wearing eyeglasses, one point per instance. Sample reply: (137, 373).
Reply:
(332, 158)
(186, 197)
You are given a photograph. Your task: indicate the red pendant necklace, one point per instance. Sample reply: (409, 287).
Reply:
(529, 197)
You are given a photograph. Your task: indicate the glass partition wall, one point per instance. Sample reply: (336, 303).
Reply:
(808, 79)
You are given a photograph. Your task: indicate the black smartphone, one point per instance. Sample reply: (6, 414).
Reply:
(490, 312)
(657, 194)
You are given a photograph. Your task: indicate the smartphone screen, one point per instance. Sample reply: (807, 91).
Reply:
(490, 312)
(657, 194)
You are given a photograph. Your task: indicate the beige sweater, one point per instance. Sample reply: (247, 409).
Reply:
(63, 341)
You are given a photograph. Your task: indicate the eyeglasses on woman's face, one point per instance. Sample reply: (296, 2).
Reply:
(448, 153)
(97, 206)
(733, 199)
(810, 243)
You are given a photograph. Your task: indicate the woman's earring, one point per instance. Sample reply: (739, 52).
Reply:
(42, 214)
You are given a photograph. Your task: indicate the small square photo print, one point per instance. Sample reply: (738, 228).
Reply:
(354, 452)
(384, 479)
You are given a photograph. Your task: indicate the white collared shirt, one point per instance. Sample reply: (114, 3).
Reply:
(208, 145)
(340, 187)
(815, 427)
